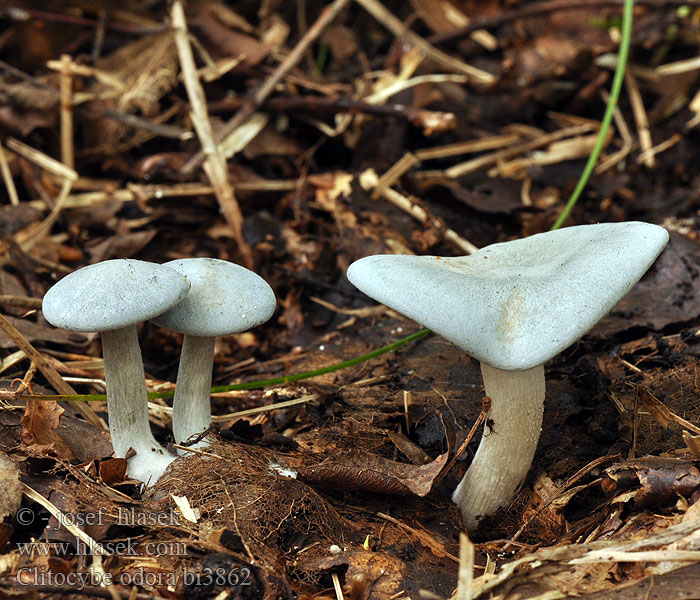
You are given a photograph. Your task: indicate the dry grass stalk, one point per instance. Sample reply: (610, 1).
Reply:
(560, 151)
(51, 374)
(659, 148)
(43, 160)
(386, 18)
(137, 192)
(30, 236)
(66, 87)
(466, 568)
(475, 164)
(7, 178)
(627, 140)
(394, 173)
(492, 142)
(641, 119)
(215, 166)
(369, 180)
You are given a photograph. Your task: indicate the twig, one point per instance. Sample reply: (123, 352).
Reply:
(51, 374)
(430, 120)
(215, 166)
(465, 575)
(25, 14)
(66, 86)
(258, 96)
(369, 180)
(386, 18)
(41, 159)
(20, 301)
(263, 409)
(7, 178)
(640, 118)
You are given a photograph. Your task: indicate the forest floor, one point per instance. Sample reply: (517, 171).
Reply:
(423, 127)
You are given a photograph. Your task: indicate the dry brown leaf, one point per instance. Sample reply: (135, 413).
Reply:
(39, 424)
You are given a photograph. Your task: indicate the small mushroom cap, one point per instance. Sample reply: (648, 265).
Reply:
(113, 294)
(517, 304)
(225, 298)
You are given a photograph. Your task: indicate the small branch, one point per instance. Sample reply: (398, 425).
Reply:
(260, 95)
(386, 18)
(431, 121)
(66, 86)
(7, 178)
(16, 13)
(215, 166)
(51, 374)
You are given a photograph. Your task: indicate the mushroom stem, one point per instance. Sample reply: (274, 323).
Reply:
(191, 405)
(508, 445)
(127, 403)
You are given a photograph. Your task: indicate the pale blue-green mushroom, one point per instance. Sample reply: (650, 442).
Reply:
(111, 297)
(513, 306)
(225, 298)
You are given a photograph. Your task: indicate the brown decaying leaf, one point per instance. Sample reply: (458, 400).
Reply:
(112, 470)
(39, 424)
(661, 479)
(364, 471)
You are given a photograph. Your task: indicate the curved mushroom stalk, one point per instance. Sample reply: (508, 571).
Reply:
(191, 406)
(508, 445)
(127, 404)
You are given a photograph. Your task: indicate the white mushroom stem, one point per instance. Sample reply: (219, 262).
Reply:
(508, 445)
(127, 403)
(191, 405)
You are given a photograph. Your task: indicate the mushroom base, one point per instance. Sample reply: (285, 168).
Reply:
(508, 445)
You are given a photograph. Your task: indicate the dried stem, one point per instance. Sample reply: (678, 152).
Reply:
(215, 166)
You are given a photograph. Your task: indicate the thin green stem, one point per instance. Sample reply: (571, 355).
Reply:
(623, 54)
(254, 385)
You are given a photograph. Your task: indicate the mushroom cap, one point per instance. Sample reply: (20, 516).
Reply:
(515, 305)
(113, 294)
(225, 298)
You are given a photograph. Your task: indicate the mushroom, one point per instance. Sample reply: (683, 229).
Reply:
(111, 297)
(513, 306)
(225, 298)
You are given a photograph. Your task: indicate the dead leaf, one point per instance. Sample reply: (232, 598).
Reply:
(39, 424)
(368, 472)
(661, 479)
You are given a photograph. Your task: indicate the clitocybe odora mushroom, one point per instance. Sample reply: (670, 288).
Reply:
(513, 306)
(225, 298)
(112, 297)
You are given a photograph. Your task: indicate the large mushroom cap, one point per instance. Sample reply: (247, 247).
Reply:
(113, 294)
(517, 304)
(225, 298)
